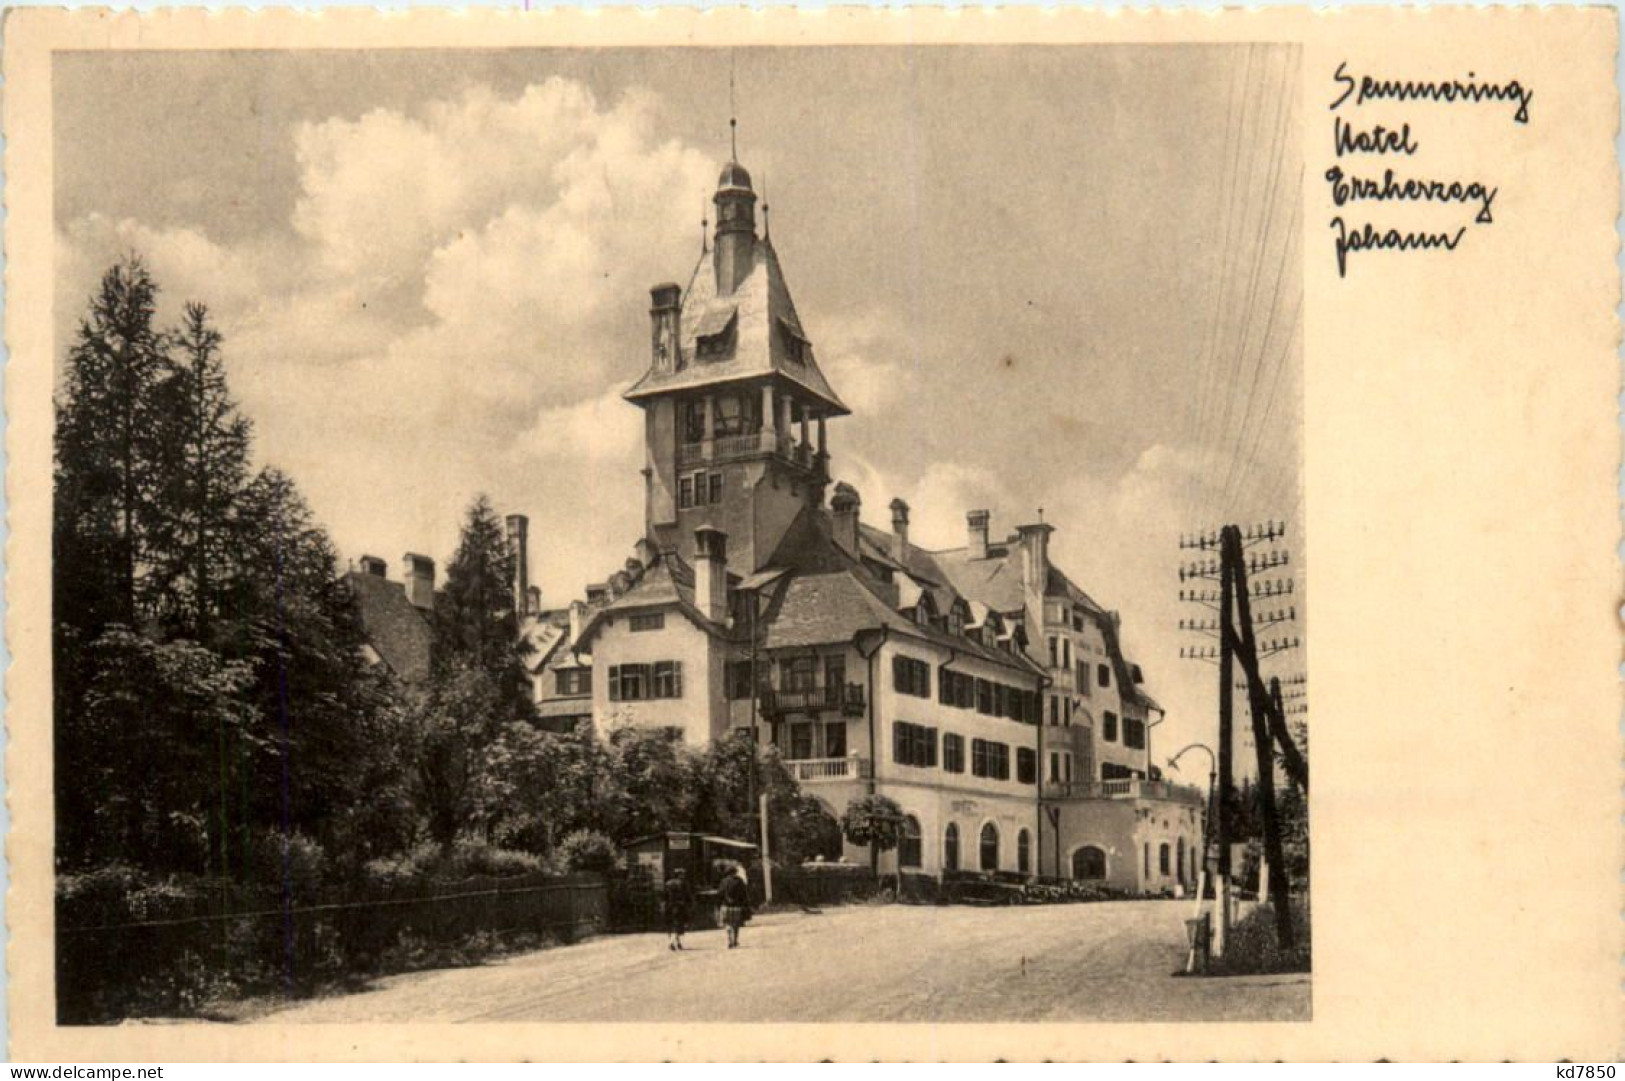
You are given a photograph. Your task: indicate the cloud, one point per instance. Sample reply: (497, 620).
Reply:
(455, 286)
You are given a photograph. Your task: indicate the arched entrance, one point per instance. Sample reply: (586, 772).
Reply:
(990, 847)
(1089, 863)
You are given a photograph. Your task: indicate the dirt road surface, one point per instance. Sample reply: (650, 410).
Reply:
(898, 963)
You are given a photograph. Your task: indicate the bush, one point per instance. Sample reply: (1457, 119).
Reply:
(428, 862)
(588, 850)
(290, 861)
(1251, 946)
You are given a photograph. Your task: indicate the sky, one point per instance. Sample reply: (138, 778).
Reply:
(1044, 277)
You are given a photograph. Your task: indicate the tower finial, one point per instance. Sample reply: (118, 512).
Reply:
(733, 113)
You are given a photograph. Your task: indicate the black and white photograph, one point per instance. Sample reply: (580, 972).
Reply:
(752, 534)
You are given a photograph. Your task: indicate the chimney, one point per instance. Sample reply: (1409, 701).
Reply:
(597, 592)
(578, 621)
(419, 580)
(1035, 563)
(976, 529)
(519, 545)
(844, 514)
(899, 526)
(634, 569)
(619, 583)
(533, 599)
(664, 346)
(645, 552)
(374, 566)
(711, 573)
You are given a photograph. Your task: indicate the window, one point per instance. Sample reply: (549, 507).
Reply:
(628, 682)
(801, 740)
(736, 679)
(1054, 767)
(1083, 678)
(1104, 674)
(1054, 711)
(693, 422)
(991, 760)
(958, 689)
(1148, 859)
(652, 621)
(990, 847)
(835, 739)
(716, 487)
(953, 753)
(685, 493)
(1026, 765)
(1066, 763)
(1024, 852)
(835, 672)
(908, 846)
(1077, 621)
(574, 682)
(1108, 727)
(1089, 862)
(950, 848)
(799, 673)
(1069, 713)
(635, 682)
(1162, 859)
(1066, 653)
(668, 679)
(984, 696)
(914, 745)
(1133, 733)
(911, 676)
(1054, 652)
(1181, 864)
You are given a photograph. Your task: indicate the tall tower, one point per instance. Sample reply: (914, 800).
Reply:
(734, 402)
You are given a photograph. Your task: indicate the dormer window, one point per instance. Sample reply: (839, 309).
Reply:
(714, 337)
(796, 347)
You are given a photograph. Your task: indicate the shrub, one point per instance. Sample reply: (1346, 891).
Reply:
(291, 861)
(588, 850)
(1251, 946)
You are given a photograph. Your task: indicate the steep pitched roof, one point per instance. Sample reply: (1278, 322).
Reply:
(668, 583)
(764, 323)
(396, 630)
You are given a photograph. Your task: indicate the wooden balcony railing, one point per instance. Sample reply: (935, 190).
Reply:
(849, 699)
(727, 448)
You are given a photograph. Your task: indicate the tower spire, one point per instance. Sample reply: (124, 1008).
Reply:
(733, 114)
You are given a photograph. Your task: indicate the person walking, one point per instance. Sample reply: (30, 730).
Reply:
(677, 905)
(735, 893)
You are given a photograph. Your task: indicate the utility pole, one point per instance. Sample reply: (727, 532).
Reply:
(1227, 679)
(1259, 707)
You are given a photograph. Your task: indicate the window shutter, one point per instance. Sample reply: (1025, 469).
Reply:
(677, 679)
(899, 749)
(614, 683)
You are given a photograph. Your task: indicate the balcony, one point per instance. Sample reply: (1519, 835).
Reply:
(849, 699)
(1124, 788)
(813, 770)
(728, 448)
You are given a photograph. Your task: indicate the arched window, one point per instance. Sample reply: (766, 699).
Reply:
(1089, 862)
(1180, 877)
(950, 848)
(908, 848)
(1024, 857)
(1162, 859)
(990, 847)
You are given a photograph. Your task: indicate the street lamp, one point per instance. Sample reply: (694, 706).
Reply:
(1212, 779)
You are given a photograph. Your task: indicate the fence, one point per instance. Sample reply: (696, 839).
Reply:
(109, 970)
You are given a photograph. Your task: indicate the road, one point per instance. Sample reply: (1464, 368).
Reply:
(897, 963)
